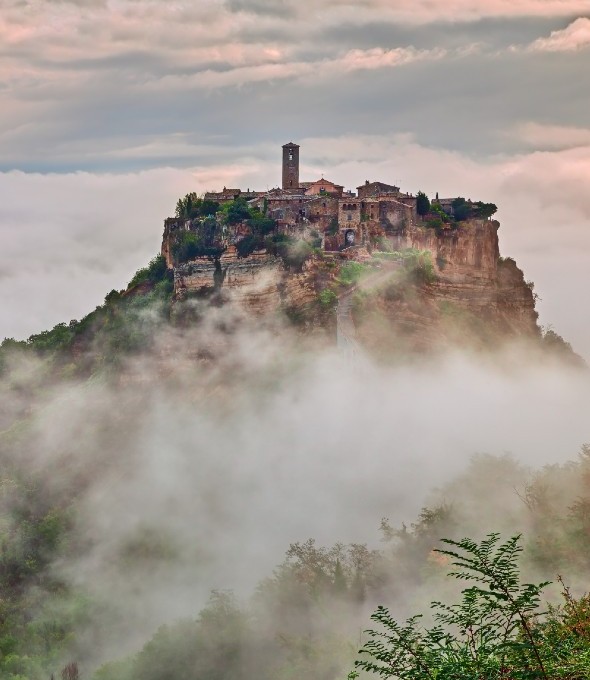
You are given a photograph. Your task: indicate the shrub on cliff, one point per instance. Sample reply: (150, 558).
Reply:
(418, 264)
(154, 272)
(293, 252)
(351, 272)
(461, 209)
(247, 245)
(484, 210)
(327, 298)
(185, 247)
(188, 245)
(435, 223)
(261, 225)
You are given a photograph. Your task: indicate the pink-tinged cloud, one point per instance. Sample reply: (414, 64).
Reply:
(354, 60)
(552, 137)
(575, 37)
(358, 60)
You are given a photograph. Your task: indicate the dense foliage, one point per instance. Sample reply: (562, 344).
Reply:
(124, 324)
(208, 235)
(464, 210)
(192, 206)
(294, 252)
(497, 631)
(191, 244)
(422, 204)
(304, 619)
(38, 612)
(460, 211)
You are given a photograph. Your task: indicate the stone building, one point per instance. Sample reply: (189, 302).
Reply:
(342, 218)
(290, 167)
(323, 186)
(225, 196)
(373, 189)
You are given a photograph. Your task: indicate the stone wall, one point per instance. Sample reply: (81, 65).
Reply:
(321, 211)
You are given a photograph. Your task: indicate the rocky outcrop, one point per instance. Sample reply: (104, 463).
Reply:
(470, 252)
(253, 282)
(259, 283)
(172, 226)
(471, 275)
(474, 296)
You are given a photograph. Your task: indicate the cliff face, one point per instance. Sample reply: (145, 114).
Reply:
(259, 283)
(252, 282)
(473, 295)
(471, 275)
(474, 298)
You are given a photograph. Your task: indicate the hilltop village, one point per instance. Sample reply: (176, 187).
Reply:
(423, 268)
(320, 211)
(342, 219)
(379, 269)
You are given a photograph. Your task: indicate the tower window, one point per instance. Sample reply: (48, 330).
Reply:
(290, 155)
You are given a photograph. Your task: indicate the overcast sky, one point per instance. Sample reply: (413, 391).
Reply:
(111, 109)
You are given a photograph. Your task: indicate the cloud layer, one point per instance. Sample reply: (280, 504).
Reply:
(131, 85)
(226, 467)
(575, 37)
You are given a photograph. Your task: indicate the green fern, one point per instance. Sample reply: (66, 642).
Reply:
(491, 634)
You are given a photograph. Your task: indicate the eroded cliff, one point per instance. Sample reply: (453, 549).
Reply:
(468, 296)
(471, 296)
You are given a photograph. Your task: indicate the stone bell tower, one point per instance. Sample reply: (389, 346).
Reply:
(290, 166)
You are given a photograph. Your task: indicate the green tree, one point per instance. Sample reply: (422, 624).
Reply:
(484, 210)
(462, 209)
(422, 204)
(496, 632)
(154, 272)
(208, 207)
(184, 206)
(237, 211)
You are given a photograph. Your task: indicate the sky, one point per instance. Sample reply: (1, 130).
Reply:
(112, 109)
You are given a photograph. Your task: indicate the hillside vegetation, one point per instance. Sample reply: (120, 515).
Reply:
(306, 616)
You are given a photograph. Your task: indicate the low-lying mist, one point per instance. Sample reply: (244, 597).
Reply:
(194, 471)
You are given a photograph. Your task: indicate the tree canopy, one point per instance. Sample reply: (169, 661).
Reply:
(422, 204)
